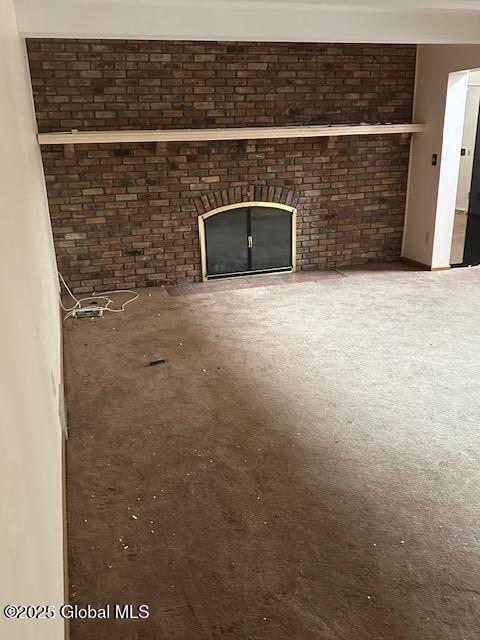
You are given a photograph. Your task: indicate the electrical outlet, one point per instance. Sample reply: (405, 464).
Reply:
(427, 236)
(88, 312)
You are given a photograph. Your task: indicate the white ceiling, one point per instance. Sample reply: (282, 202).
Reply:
(384, 5)
(414, 21)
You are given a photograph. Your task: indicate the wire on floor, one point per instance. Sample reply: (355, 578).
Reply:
(94, 298)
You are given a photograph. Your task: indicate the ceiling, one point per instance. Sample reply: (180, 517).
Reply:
(384, 5)
(414, 21)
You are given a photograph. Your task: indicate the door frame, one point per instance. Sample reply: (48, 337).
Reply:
(241, 205)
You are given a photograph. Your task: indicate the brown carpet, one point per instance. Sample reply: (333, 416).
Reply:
(303, 466)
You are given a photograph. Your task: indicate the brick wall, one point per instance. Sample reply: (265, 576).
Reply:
(127, 214)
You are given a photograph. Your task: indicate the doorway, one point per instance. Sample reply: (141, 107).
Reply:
(471, 253)
(246, 239)
(465, 249)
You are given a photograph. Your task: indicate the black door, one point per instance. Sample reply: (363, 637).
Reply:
(226, 242)
(271, 231)
(471, 252)
(248, 240)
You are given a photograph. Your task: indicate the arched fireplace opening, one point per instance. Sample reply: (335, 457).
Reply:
(247, 238)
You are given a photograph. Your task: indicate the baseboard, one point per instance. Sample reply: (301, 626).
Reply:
(62, 413)
(66, 572)
(423, 266)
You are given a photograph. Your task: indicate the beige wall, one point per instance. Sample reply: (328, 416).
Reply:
(429, 218)
(31, 540)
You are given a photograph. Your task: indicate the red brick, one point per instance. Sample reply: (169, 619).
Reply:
(124, 212)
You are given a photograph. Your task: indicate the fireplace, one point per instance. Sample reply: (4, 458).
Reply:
(247, 238)
(130, 193)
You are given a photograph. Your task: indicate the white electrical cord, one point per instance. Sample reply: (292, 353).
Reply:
(102, 296)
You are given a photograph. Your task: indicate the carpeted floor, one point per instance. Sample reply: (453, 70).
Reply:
(305, 465)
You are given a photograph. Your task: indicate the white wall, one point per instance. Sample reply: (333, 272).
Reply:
(432, 189)
(278, 20)
(31, 538)
(468, 141)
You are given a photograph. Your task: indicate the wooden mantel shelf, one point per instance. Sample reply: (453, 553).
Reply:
(199, 135)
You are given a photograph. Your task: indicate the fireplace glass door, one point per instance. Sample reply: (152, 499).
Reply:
(247, 240)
